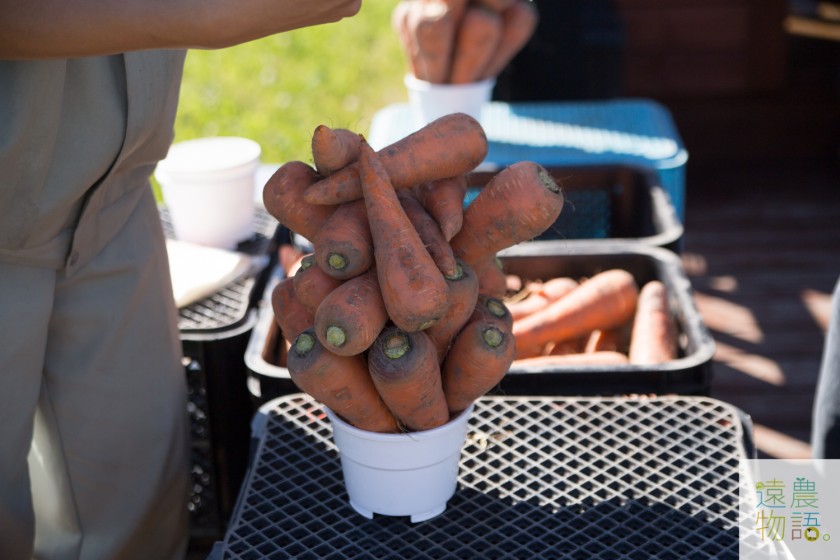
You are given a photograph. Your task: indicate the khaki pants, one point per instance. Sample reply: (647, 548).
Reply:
(93, 416)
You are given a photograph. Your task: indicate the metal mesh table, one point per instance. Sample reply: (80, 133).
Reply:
(540, 477)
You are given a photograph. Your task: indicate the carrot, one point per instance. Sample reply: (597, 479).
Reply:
(478, 359)
(565, 360)
(477, 39)
(429, 232)
(492, 280)
(605, 300)
(283, 199)
(333, 148)
(289, 258)
(517, 204)
(289, 312)
(444, 200)
(489, 307)
(413, 289)
(615, 339)
(563, 347)
(463, 295)
(430, 28)
(342, 383)
(451, 145)
(351, 316)
(405, 371)
(312, 284)
(343, 246)
(541, 294)
(654, 332)
(519, 22)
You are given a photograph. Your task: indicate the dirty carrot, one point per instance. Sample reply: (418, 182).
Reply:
(342, 383)
(351, 316)
(654, 332)
(492, 280)
(517, 204)
(289, 258)
(283, 197)
(312, 284)
(519, 22)
(540, 294)
(429, 232)
(289, 312)
(477, 361)
(406, 373)
(430, 27)
(606, 300)
(477, 38)
(444, 200)
(451, 145)
(333, 148)
(463, 295)
(343, 246)
(413, 289)
(492, 308)
(615, 339)
(564, 360)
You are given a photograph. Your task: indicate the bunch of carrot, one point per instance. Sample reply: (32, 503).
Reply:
(462, 41)
(386, 319)
(604, 319)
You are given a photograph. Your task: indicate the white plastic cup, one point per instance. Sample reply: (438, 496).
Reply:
(208, 187)
(431, 101)
(412, 474)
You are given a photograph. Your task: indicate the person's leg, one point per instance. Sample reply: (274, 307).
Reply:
(110, 451)
(25, 304)
(825, 432)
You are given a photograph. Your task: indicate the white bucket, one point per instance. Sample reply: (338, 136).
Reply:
(431, 101)
(208, 188)
(412, 474)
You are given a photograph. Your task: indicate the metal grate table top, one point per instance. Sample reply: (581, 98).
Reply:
(540, 477)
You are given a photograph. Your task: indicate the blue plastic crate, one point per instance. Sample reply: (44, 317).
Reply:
(637, 132)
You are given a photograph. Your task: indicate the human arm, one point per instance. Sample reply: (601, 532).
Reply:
(32, 29)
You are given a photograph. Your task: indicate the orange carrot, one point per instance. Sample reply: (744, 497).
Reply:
(488, 307)
(478, 359)
(451, 145)
(654, 332)
(606, 300)
(463, 295)
(517, 204)
(405, 371)
(289, 313)
(429, 232)
(615, 339)
(333, 148)
(571, 346)
(492, 280)
(343, 245)
(413, 289)
(519, 22)
(564, 360)
(312, 284)
(342, 383)
(444, 200)
(351, 316)
(540, 294)
(430, 27)
(283, 197)
(289, 258)
(476, 41)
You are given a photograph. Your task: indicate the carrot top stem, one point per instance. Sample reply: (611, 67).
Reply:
(336, 261)
(457, 274)
(304, 343)
(396, 345)
(336, 336)
(492, 336)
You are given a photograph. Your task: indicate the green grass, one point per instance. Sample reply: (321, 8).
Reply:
(276, 90)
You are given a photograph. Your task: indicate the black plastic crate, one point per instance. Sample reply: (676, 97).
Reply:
(214, 333)
(689, 374)
(607, 203)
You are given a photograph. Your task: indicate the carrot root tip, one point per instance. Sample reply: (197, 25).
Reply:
(336, 336)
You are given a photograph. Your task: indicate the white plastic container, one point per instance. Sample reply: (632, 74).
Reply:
(208, 188)
(412, 474)
(431, 101)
